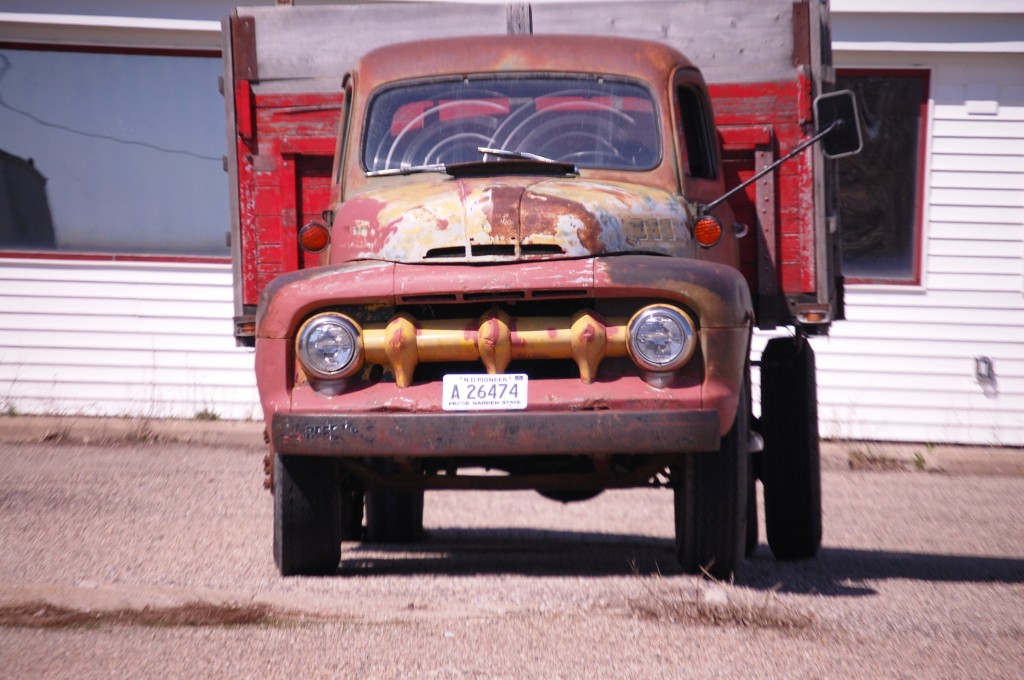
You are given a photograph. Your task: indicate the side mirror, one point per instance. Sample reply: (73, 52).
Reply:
(838, 110)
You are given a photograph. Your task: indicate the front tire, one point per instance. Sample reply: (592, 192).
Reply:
(307, 515)
(711, 502)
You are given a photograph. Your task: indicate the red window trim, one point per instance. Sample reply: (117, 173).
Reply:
(72, 255)
(111, 49)
(924, 75)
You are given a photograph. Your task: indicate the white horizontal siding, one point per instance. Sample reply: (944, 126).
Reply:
(1000, 164)
(979, 146)
(995, 250)
(982, 178)
(121, 339)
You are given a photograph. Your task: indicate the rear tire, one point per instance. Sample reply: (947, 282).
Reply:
(791, 462)
(752, 528)
(307, 515)
(352, 499)
(393, 516)
(711, 502)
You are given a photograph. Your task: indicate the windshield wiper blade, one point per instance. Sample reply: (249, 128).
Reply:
(409, 170)
(524, 155)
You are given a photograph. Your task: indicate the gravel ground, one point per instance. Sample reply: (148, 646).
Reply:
(146, 553)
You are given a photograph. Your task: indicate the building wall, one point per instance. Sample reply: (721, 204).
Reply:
(153, 338)
(121, 339)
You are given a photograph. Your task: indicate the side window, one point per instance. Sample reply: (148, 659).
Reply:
(695, 126)
(880, 189)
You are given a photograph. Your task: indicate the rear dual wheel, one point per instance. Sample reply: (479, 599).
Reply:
(393, 516)
(791, 461)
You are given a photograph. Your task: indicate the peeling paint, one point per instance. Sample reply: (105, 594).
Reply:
(441, 219)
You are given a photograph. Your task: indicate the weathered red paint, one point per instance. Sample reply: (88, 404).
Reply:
(284, 149)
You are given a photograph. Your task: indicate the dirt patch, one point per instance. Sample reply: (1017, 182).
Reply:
(195, 614)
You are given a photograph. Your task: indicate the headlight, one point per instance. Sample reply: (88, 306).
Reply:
(661, 338)
(329, 346)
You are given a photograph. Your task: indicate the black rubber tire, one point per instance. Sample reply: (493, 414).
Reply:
(711, 503)
(392, 516)
(791, 462)
(307, 515)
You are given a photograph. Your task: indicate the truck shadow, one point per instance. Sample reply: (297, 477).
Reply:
(836, 572)
(849, 572)
(526, 552)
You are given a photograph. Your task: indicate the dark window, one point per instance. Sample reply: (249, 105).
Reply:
(121, 151)
(694, 119)
(880, 194)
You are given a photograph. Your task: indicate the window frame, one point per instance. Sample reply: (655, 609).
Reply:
(924, 76)
(696, 131)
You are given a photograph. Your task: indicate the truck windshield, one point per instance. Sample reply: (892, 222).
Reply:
(589, 122)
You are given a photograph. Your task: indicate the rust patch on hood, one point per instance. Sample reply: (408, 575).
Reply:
(493, 212)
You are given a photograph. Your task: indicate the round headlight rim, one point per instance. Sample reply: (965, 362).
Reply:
(355, 363)
(689, 345)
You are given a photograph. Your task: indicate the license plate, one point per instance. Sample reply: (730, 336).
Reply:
(463, 392)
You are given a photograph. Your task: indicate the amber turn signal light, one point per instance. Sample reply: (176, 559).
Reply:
(314, 237)
(707, 231)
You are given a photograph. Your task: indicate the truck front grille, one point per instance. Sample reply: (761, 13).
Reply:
(494, 339)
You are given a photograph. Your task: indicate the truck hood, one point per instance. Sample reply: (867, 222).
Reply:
(507, 219)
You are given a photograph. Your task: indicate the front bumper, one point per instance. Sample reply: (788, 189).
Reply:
(521, 433)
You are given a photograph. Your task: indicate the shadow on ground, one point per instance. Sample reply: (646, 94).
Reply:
(528, 552)
(836, 572)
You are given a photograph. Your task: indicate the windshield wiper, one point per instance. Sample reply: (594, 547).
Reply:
(409, 170)
(523, 155)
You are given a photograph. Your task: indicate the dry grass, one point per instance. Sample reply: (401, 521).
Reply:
(868, 462)
(697, 609)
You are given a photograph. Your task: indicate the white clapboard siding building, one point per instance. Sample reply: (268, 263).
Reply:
(939, 357)
(119, 302)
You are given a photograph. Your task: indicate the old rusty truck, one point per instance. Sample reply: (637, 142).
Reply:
(526, 247)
